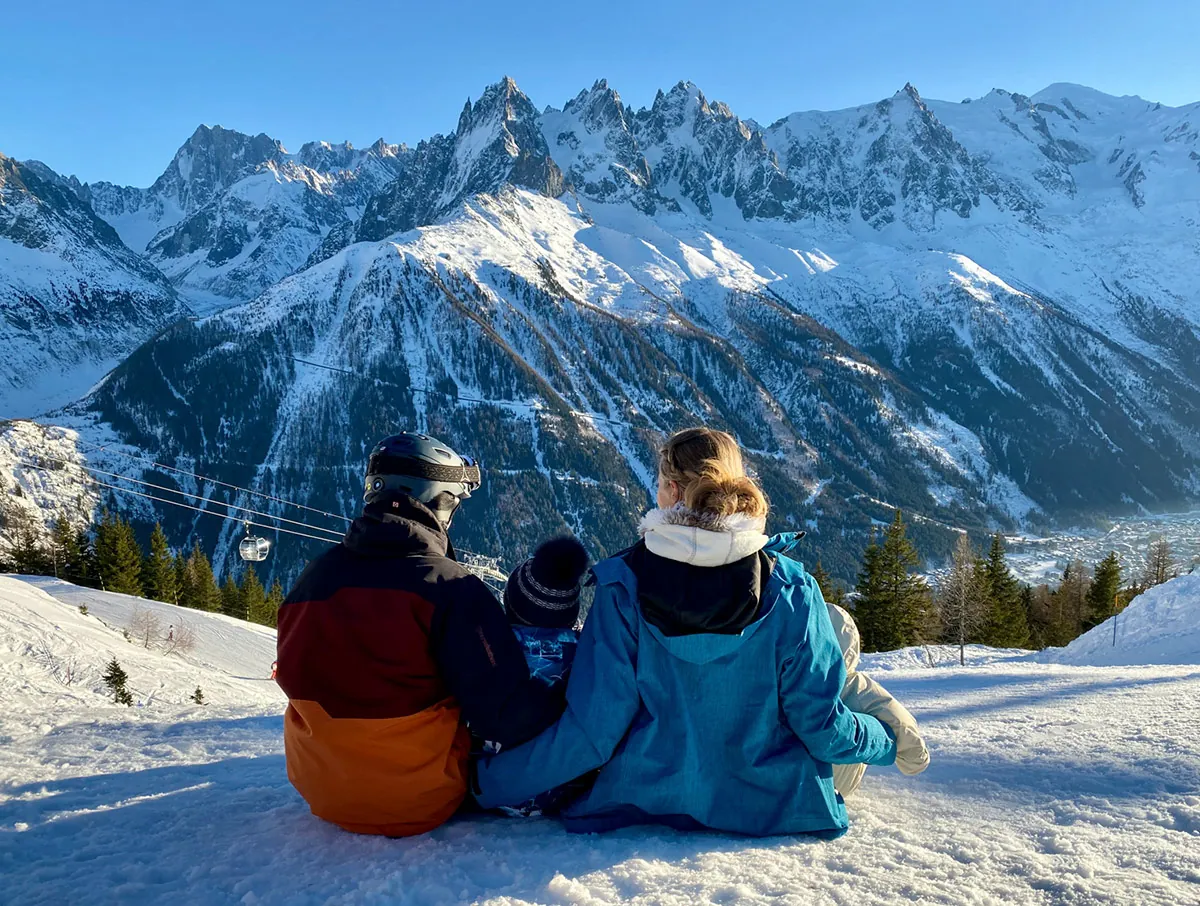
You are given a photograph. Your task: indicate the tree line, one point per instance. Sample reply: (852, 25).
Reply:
(110, 558)
(978, 600)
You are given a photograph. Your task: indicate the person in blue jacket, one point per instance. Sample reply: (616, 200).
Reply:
(706, 686)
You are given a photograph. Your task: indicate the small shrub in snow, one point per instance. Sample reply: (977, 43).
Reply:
(64, 668)
(180, 639)
(198, 696)
(128, 637)
(116, 678)
(83, 609)
(144, 626)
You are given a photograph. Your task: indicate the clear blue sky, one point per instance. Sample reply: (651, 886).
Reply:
(110, 91)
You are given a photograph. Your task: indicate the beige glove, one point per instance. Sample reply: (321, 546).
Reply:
(912, 755)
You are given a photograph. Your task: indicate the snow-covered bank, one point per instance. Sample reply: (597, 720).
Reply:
(1160, 626)
(1049, 784)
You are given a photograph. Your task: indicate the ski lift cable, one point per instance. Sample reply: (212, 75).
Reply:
(479, 569)
(225, 484)
(226, 516)
(158, 487)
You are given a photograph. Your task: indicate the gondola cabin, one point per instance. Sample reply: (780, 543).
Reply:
(254, 549)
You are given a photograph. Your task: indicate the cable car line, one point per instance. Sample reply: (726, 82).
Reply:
(482, 569)
(224, 484)
(188, 506)
(158, 487)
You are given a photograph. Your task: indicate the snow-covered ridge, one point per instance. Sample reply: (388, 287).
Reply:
(1160, 626)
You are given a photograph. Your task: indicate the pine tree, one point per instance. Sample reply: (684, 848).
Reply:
(893, 609)
(158, 571)
(183, 591)
(118, 556)
(116, 678)
(201, 586)
(198, 696)
(29, 554)
(64, 548)
(963, 597)
(1068, 605)
(1007, 625)
(232, 603)
(833, 593)
(254, 598)
(1036, 602)
(1104, 592)
(83, 570)
(274, 602)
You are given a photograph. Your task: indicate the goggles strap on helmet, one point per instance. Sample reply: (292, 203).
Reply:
(382, 464)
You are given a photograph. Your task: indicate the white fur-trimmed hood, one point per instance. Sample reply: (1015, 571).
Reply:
(701, 539)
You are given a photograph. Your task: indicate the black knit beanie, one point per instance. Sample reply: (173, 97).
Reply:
(544, 590)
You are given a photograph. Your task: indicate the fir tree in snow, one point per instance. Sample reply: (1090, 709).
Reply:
(893, 608)
(158, 570)
(1007, 625)
(29, 554)
(72, 552)
(1103, 595)
(1068, 605)
(183, 584)
(274, 602)
(83, 570)
(198, 696)
(254, 598)
(963, 597)
(118, 556)
(232, 602)
(198, 588)
(832, 592)
(115, 679)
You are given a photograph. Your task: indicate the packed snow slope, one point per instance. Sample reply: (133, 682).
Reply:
(1050, 784)
(45, 633)
(1160, 626)
(983, 313)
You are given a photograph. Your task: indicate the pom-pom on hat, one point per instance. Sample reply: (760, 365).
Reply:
(544, 590)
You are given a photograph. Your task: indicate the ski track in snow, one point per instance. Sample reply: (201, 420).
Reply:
(1049, 784)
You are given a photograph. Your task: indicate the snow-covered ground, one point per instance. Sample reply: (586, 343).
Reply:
(1049, 784)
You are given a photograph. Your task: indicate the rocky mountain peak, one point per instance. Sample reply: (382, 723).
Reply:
(499, 140)
(599, 107)
(211, 160)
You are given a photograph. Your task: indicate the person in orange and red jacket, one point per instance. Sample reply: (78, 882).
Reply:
(388, 648)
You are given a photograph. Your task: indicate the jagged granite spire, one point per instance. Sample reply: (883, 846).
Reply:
(498, 142)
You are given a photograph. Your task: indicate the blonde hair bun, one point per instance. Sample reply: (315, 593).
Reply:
(707, 465)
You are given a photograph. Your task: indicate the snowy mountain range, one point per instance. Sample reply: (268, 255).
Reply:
(74, 300)
(985, 313)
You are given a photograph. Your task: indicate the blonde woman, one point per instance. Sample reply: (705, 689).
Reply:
(707, 684)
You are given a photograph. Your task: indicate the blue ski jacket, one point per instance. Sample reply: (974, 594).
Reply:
(731, 732)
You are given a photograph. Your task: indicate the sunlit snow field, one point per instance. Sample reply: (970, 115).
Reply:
(1050, 783)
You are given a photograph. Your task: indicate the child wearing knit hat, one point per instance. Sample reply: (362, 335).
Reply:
(541, 599)
(542, 603)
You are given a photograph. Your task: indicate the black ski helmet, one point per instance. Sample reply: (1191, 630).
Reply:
(424, 468)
